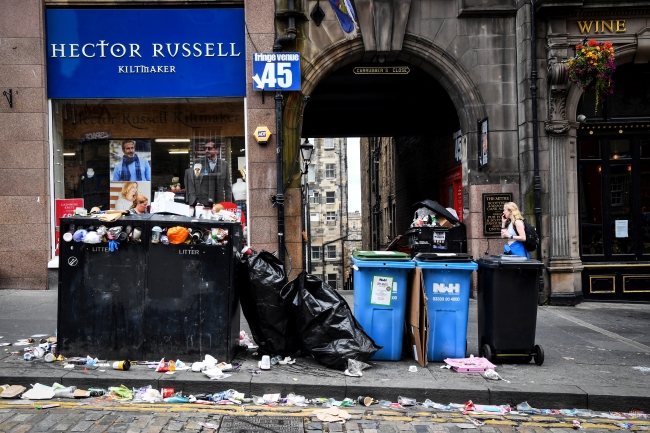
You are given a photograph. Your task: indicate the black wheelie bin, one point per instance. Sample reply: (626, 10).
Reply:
(507, 308)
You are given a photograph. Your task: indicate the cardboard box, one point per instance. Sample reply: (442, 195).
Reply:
(165, 206)
(417, 317)
(444, 222)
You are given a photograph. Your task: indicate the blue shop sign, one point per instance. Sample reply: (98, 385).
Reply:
(276, 71)
(140, 53)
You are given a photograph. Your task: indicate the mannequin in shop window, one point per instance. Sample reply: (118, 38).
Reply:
(239, 193)
(210, 183)
(90, 189)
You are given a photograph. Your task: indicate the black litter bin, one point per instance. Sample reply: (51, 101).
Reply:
(101, 292)
(507, 308)
(191, 305)
(428, 239)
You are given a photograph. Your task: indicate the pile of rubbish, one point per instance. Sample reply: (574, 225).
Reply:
(304, 315)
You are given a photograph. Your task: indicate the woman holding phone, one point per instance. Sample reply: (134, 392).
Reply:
(512, 228)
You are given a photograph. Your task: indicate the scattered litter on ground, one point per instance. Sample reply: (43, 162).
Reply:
(332, 414)
(642, 369)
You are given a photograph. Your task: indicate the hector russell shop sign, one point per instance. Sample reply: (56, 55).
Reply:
(139, 53)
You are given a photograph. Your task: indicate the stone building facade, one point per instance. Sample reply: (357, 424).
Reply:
(500, 60)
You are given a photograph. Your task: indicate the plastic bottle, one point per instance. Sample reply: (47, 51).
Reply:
(238, 213)
(67, 392)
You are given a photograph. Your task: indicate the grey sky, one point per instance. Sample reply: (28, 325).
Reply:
(354, 175)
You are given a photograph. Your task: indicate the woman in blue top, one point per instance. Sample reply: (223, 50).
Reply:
(510, 219)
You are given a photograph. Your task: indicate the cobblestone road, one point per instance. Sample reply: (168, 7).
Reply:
(132, 418)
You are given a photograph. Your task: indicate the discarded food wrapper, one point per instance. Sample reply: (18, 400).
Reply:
(162, 366)
(413, 369)
(12, 391)
(493, 375)
(433, 405)
(213, 373)
(470, 365)
(332, 414)
(223, 366)
(39, 392)
(405, 401)
(576, 424)
(355, 368)
(286, 361)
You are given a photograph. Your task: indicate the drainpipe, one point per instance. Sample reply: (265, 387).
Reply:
(533, 96)
(278, 199)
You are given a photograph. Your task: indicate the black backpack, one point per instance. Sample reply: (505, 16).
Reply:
(532, 239)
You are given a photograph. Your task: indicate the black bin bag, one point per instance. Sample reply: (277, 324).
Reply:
(327, 328)
(260, 278)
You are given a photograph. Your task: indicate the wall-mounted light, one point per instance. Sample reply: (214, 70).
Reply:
(69, 153)
(306, 149)
(172, 140)
(178, 152)
(582, 118)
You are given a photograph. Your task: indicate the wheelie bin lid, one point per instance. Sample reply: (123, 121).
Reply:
(437, 208)
(508, 261)
(381, 256)
(451, 261)
(444, 257)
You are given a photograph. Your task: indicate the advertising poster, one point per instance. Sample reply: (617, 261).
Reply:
(130, 171)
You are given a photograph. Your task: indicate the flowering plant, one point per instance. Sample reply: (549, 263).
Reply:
(593, 68)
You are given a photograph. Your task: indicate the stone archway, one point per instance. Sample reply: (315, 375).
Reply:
(419, 52)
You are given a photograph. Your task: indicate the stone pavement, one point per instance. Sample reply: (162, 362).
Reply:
(99, 416)
(597, 357)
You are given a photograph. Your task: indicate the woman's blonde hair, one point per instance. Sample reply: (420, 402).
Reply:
(127, 187)
(139, 199)
(512, 207)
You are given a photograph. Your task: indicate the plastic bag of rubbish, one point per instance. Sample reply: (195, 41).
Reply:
(355, 368)
(259, 279)
(327, 328)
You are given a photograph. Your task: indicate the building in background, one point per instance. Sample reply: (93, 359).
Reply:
(352, 243)
(328, 209)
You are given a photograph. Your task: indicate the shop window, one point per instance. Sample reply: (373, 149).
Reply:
(331, 252)
(314, 197)
(331, 280)
(108, 152)
(330, 197)
(329, 171)
(329, 143)
(315, 253)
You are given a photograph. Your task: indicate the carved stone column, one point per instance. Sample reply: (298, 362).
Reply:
(564, 264)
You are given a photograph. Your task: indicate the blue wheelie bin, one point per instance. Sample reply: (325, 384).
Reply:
(380, 289)
(447, 278)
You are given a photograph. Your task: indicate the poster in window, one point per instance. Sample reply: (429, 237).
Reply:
(130, 171)
(483, 143)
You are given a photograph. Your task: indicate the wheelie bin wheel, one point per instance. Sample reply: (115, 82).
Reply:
(487, 352)
(538, 355)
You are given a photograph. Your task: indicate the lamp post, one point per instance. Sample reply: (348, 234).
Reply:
(306, 150)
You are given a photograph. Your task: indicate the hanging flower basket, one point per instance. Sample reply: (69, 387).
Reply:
(593, 68)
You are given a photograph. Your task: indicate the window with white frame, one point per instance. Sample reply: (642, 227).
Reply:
(311, 174)
(315, 253)
(331, 251)
(314, 197)
(329, 143)
(330, 197)
(314, 217)
(329, 171)
(331, 280)
(330, 216)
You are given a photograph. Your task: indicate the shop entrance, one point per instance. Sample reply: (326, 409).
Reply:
(409, 129)
(614, 191)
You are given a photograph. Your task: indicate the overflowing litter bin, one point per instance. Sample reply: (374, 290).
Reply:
(380, 291)
(435, 230)
(447, 278)
(102, 286)
(507, 308)
(191, 305)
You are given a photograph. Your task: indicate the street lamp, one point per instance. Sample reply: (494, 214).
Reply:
(306, 149)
